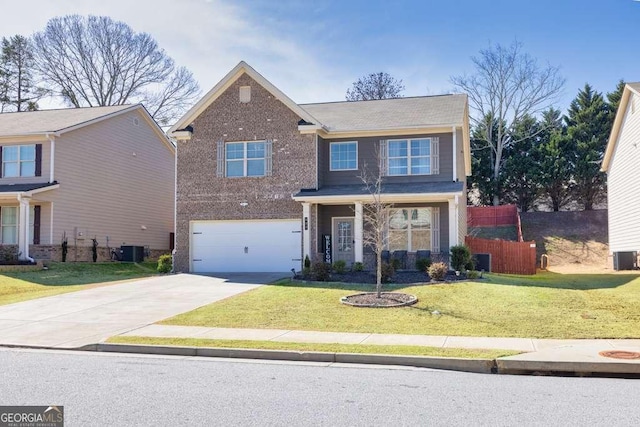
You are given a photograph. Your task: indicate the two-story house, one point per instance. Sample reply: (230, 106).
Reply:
(83, 173)
(263, 182)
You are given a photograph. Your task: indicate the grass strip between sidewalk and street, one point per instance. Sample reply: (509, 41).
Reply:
(406, 350)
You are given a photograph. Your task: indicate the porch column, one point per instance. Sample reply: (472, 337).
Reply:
(358, 234)
(306, 231)
(23, 227)
(453, 221)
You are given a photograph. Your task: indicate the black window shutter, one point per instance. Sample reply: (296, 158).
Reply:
(1, 168)
(36, 225)
(38, 159)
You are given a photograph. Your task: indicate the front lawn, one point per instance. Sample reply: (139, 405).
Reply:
(405, 350)
(546, 305)
(66, 277)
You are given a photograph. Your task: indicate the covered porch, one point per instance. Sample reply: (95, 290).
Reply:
(420, 220)
(21, 216)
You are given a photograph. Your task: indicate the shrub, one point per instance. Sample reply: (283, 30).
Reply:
(165, 263)
(396, 264)
(340, 266)
(460, 257)
(357, 266)
(320, 271)
(473, 274)
(423, 264)
(438, 271)
(387, 272)
(307, 262)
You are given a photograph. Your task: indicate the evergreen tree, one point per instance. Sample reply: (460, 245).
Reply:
(588, 127)
(555, 155)
(614, 97)
(18, 90)
(522, 164)
(483, 185)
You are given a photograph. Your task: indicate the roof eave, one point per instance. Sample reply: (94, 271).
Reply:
(384, 197)
(617, 125)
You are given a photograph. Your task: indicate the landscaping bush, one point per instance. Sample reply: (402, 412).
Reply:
(396, 264)
(423, 264)
(357, 266)
(460, 257)
(165, 264)
(307, 262)
(320, 271)
(438, 271)
(387, 272)
(473, 274)
(340, 266)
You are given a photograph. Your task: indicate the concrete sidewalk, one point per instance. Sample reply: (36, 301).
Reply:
(539, 355)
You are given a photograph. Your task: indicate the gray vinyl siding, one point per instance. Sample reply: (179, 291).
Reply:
(624, 184)
(116, 179)
(368, 159)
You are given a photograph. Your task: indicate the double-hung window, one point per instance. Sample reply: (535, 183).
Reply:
(9, 225)
(417, 156)
(414, 229)
(18, 160)
(246, 158)
(344, 156)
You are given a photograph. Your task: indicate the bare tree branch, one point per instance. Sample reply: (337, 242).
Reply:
(375, 86)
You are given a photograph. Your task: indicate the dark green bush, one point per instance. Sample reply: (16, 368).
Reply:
(473, 274)
(320, 271)
(340, 266)
(357, 266)
(387, 272)
(165, 263)
(438, 271)
(423, 264)
(460, 257)
(307, 262)
(396, 264)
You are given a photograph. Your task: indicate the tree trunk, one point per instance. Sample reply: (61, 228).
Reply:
(379, 273)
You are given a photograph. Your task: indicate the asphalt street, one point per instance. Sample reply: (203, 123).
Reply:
(106, 389)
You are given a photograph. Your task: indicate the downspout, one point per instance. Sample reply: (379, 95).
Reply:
(51, 157)
(175, 209)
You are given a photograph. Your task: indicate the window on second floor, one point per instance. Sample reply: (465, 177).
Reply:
(417, 156)
(18, 160)
(344, 156)
(244, 159)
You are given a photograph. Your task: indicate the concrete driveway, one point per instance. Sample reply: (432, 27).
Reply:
(85, 317)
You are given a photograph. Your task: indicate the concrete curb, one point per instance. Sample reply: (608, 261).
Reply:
(515, 367)
(485, 366)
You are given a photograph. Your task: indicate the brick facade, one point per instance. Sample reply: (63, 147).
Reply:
(202, 195)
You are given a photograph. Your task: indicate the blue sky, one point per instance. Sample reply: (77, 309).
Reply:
(314, 50)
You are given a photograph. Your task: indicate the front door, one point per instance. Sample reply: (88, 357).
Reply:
(343, 240)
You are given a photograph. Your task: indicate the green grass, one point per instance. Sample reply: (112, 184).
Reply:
(66, 277)
(546, 305)
(330, 348)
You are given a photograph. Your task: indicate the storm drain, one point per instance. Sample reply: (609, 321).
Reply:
(619, 354)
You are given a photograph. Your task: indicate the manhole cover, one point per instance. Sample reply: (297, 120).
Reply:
(619, 354)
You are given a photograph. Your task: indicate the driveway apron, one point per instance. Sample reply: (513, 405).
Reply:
(86, 317)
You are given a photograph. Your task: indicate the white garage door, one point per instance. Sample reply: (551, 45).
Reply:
(245, 246)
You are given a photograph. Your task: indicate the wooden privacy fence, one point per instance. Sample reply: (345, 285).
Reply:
(492, 216)
(506, 257)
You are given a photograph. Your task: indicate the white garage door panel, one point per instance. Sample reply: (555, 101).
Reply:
(252, 246)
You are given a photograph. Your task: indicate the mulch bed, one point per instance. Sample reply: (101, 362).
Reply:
(387, 299)
(403, 277)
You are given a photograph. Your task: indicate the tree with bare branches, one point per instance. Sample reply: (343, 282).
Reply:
(508, 86)
(375, 86)
(97, 61)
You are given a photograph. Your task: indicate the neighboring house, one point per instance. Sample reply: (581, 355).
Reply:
(261, 180)
(102, 172)
(621, 161)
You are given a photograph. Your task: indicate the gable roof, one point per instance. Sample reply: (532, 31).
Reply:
(54, 121)
(228, 80)
(629, 90)
(384, 114)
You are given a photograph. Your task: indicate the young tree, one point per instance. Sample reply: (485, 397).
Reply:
(97, 61)
(588, 127)
(18, 90)
(483, 159)
(508, 85)
(556, 160)
(375, 86)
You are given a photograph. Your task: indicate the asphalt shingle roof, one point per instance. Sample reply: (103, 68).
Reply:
(390, 113)
(17, 188)
(44, 121)
(635, 86)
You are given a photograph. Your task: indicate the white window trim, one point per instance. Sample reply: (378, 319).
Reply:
(342, 143)
(434, 228)
(409, 157)
(244, 160)
(19, 161)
